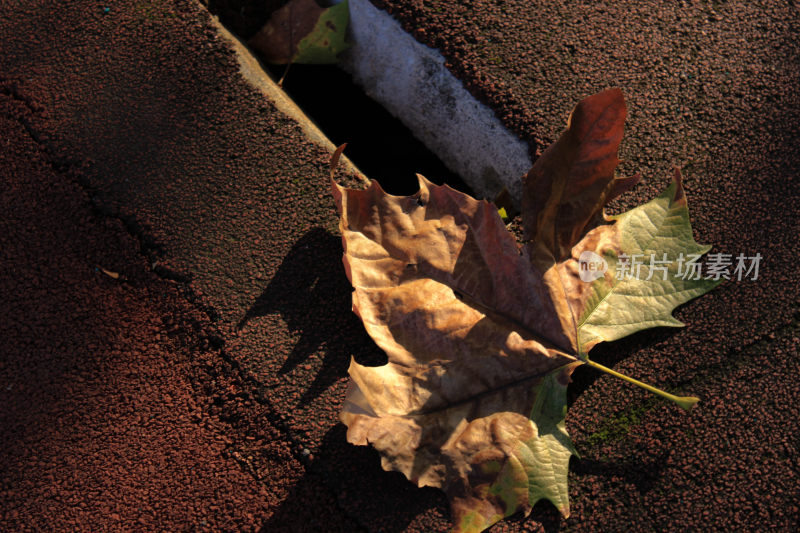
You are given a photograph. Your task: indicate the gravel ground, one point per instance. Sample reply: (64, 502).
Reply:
(711, 87)
(132, 144)
(120, 412)
(123, 410)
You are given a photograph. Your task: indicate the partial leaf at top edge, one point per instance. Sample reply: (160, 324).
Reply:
(303, 32)
(327, 40)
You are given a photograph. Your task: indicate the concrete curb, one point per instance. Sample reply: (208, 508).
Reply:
(412, 81)
(252, 71)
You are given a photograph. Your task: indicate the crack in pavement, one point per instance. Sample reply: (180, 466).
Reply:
(72, 170)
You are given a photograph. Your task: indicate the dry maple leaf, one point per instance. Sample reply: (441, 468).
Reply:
(482, 334)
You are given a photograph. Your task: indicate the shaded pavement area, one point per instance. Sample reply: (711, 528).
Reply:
(200, 388)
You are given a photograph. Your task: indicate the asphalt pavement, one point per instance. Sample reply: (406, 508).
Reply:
(177, 320)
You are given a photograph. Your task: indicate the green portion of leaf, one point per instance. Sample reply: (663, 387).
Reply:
(546, 458)
(303, 32)
(327, 39)
(535, 468)
(619, 307)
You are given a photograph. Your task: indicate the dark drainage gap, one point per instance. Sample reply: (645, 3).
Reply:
(377, 142)
(243, 17)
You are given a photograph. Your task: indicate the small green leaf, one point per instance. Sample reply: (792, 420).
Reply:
(326, 40)
(303, 32)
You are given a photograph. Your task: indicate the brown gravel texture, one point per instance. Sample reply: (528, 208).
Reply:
(711, 87)
(201, 389)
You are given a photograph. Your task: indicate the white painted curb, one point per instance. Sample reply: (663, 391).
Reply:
(412, 82)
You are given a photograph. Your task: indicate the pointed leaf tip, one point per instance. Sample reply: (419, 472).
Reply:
(566, 189)
(334, 162)
(622, 185)
(336, 189)
(605, 110)
(678, 196)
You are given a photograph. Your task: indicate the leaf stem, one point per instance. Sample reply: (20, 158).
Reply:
(687, 402)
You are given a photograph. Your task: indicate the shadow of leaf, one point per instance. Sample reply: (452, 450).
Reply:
(378, 500)
(313, 296)
(641, 474)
